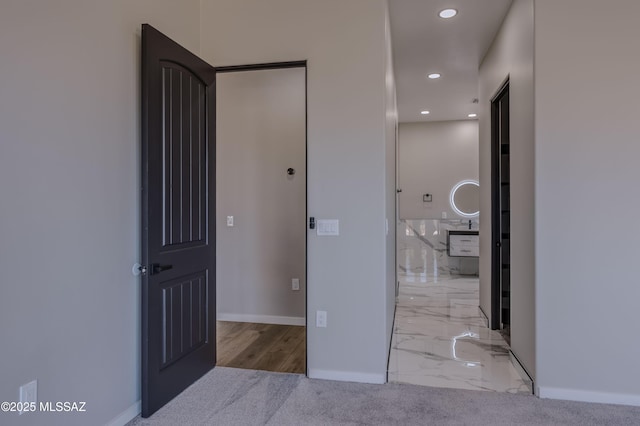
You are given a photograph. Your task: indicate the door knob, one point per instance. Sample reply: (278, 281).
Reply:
(156, 268)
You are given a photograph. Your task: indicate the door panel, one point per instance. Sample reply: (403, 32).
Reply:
(178, 237)
(184, 187)
(184, 304)
(501, 212)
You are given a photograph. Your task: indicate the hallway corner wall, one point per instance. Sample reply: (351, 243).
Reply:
(391, 135)
(346, 159)
(587, 174)
(511, 56)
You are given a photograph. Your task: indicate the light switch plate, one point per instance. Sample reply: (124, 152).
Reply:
(295, 284)
(321, 319)
(328, 227)
(229, 220)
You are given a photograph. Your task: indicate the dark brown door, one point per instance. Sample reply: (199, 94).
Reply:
(501, 212)
(178, 226)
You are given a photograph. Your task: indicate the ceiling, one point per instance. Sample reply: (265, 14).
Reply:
(424, 43)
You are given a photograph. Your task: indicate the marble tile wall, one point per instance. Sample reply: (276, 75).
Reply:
(422, 249)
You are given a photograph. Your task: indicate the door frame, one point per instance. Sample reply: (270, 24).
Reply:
(275, 66)
(496, 219)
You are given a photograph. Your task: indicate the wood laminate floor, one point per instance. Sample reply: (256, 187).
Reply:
(269, 347)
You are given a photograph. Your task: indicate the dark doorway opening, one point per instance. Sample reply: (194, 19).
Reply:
(501, 214)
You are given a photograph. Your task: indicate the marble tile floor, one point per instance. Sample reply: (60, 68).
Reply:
(440, 339)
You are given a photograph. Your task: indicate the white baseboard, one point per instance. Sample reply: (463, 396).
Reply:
(589, 396)
(347, 376)
(485, 318)
(262, 319)
(524, 374)
(127, 415)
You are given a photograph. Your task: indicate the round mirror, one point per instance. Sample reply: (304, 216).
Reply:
(465, 198)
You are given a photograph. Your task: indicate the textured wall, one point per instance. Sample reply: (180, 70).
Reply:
(587, 176)
(344, 43)
(260, 134)
(434, 157)
(69, 185)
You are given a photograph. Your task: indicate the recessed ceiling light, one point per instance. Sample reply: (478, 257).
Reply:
(434, 75)
(448, 13)
(473, 115)
(424, 112)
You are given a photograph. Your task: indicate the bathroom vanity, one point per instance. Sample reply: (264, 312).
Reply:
(463, 243)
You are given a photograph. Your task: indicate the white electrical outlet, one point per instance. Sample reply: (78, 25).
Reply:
(295, 284)
(321, 318)
(229, 220)
(29, 393)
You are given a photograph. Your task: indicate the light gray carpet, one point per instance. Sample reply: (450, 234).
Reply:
(229, 396)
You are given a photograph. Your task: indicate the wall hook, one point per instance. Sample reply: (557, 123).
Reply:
(291, 171)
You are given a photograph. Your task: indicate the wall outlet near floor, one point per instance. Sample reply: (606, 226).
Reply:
(29, 393)
(295, 284)
(321, 318)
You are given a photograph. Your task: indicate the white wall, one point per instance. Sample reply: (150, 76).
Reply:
(434, 156)
(587, 174)
(69, 185)
(511, 56)
(344, 43)
(260, 128)
(391, 135)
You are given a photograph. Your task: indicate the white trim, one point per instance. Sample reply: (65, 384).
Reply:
(347, 376)
(524, 375)
(485, 319)
(589, 396)
(127, 415)
(262, 319)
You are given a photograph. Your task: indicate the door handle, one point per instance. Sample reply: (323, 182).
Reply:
(156, 268)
